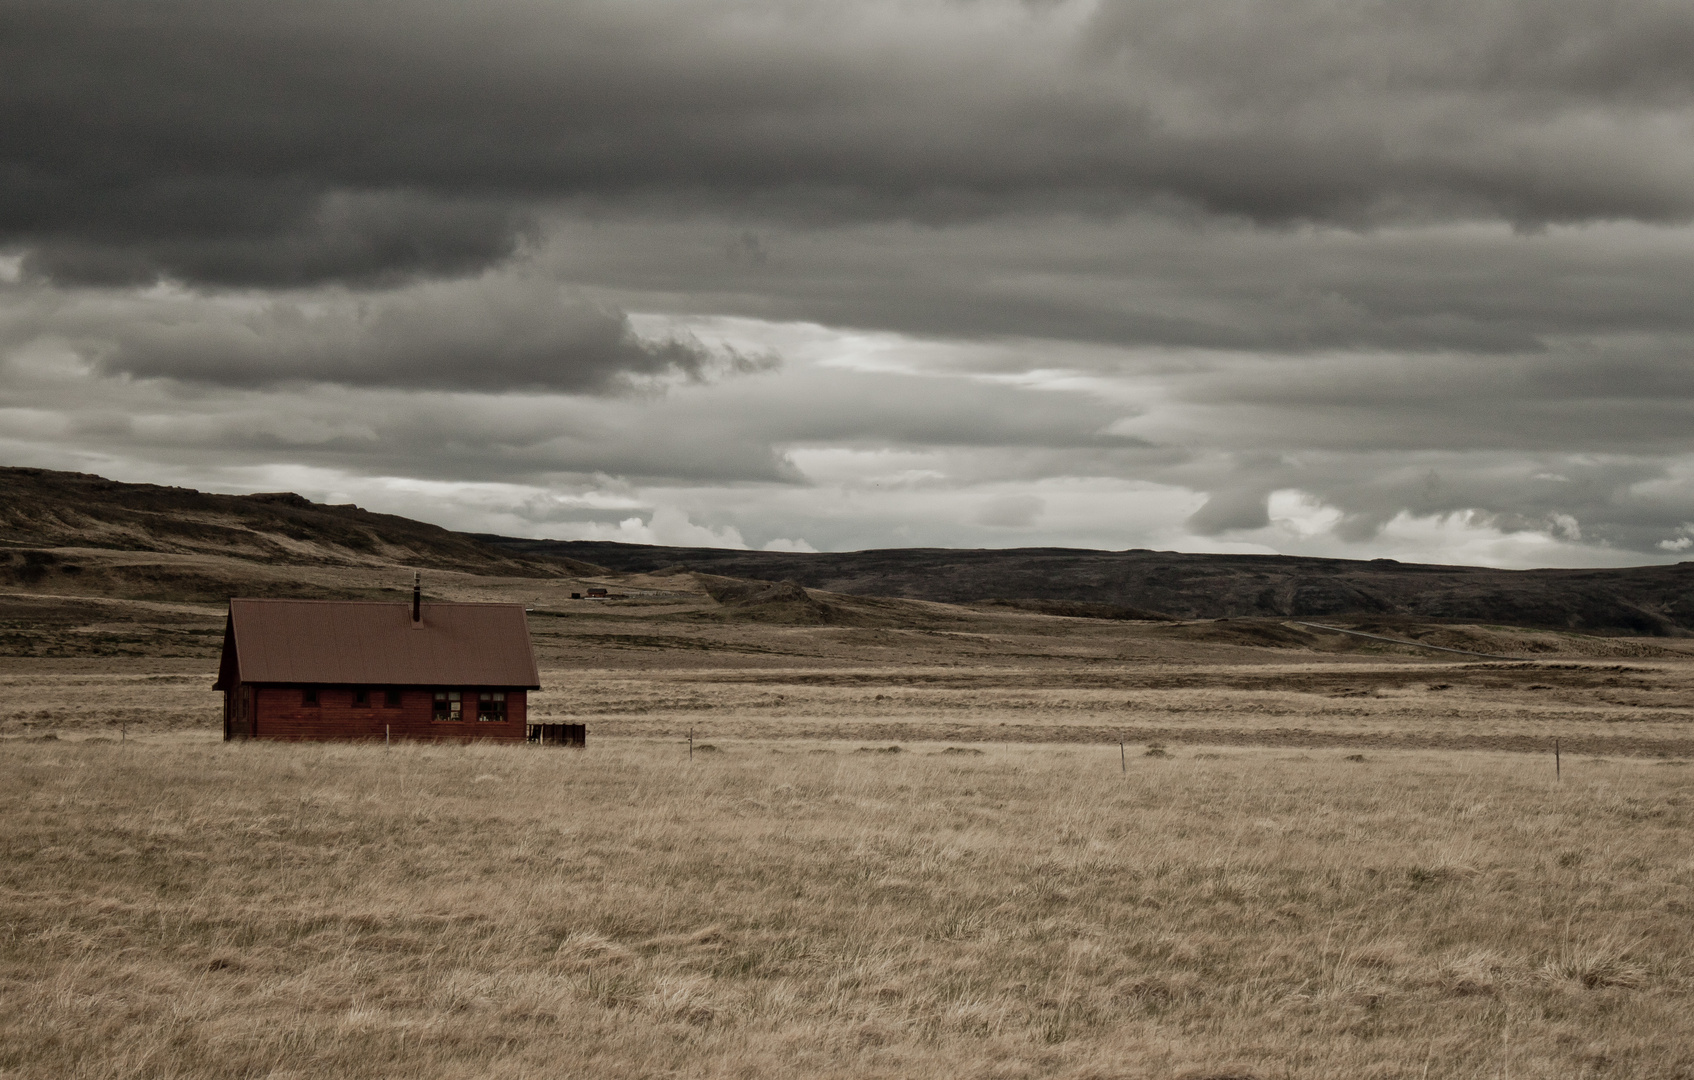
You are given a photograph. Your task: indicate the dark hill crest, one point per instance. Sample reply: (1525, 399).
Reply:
(1138, 583)
(42, 508)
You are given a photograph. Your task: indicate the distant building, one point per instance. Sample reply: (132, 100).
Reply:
(334, 669)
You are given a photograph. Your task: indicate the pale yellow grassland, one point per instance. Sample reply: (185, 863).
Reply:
(1615, 708)
(176, 907)
(1637, 707)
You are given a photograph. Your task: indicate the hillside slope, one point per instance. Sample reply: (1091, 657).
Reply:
(157, 540)
(40, 508)
(1650, 600)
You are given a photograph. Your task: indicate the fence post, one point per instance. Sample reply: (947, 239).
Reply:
(1558, 766)
(1123, 759)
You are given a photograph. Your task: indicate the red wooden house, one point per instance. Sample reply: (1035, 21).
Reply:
(333, 669)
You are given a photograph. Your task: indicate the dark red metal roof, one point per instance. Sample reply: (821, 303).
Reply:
(350, 641)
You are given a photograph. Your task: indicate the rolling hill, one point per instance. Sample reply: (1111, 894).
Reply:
(1646, 600)
(47, 517)
(44, 509)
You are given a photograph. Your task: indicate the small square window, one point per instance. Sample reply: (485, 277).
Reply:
(449, 705)
(391, 698)
(361, 698)
(491, 706)
(309, 696)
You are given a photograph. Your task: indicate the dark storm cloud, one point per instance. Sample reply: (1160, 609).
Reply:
(491, 334)
(734, 431)
(1619, 397)
(297, 140)
(269, 238)
(1144, 280)
(1423, 257)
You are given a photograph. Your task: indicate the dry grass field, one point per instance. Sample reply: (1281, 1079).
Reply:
(908, 845)
(175, 907)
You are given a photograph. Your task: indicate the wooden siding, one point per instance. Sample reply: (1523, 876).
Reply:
(281, 715)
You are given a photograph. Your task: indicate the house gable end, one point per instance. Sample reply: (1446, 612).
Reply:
(229, 664)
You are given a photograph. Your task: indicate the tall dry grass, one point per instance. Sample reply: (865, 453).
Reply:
(194, 910)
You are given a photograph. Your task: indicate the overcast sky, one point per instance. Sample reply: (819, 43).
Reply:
(1407, 278)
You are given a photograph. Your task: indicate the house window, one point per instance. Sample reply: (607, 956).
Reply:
(309, 696)
(449, 705)
(391, 698)
(361, 698)
(491, 706)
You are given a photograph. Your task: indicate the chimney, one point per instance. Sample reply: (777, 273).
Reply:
(417, 598)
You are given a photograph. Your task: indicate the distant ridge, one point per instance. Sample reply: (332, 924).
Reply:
(41, 508)
(1645, 600)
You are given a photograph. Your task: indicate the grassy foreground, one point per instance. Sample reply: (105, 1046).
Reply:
(187, 909)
